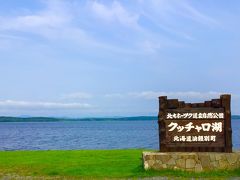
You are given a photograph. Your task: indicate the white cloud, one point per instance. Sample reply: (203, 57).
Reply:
(44, 18)
(188, 94)
(59, 21)
(155, 94)
(166, 15)
(114, 95)
(44, 22)
(170, 10)
(13, 104)
(149, 46)
(196, 15)
(68, 22)
(115, 12)
(77, 95)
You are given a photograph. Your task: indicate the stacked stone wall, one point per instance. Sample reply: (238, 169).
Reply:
(197, 162)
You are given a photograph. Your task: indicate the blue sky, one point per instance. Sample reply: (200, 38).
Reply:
(114, 58)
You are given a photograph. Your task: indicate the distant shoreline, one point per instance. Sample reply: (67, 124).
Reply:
(55, 119)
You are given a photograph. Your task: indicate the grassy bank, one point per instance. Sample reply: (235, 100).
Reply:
(87, 164)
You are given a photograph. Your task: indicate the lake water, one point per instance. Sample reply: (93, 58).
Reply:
(86, 135)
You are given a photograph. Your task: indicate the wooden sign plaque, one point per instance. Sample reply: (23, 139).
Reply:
(195, 127)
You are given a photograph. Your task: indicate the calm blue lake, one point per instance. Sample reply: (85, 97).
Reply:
(86, 135)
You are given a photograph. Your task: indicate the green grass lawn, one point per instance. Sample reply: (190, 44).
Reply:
(87, 164)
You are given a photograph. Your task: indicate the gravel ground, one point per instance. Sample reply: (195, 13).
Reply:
(17, 177)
